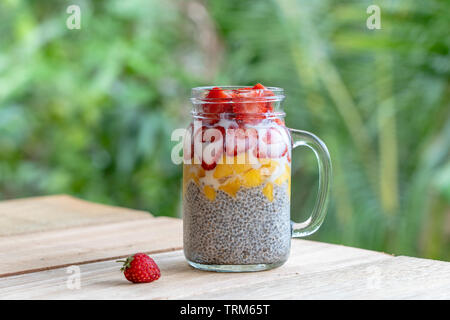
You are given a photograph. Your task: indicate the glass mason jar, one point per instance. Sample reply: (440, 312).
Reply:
(237, 180)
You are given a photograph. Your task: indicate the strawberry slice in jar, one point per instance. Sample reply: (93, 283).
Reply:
(239, 140)
(250, 104)
(217, 101)
(208, 146)
(271, 143)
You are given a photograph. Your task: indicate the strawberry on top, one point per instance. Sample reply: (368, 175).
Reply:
(245, 108)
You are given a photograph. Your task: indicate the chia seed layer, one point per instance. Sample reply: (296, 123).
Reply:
(248, 229)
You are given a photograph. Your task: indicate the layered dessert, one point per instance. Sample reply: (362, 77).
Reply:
(236, 181)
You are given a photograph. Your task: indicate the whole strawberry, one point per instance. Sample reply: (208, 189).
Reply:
(140, 268)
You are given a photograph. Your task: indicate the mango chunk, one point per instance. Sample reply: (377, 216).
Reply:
(241, 168)
(251, 178)
(268, 191)
(231, 187)
(192, 172)
(210, 193)
(223, 170)
(201, 172)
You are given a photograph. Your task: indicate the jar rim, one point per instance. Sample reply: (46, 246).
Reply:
(231, 116)
(198, 94)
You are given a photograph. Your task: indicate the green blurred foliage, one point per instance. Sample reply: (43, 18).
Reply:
(90, 112)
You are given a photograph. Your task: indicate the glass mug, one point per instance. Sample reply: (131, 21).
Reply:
(237, 180)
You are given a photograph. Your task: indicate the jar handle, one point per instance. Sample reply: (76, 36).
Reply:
(313, 223)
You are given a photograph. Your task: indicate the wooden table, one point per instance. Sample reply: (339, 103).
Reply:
(45, 241)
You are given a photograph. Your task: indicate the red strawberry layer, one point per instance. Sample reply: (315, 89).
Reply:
(271, 143)
(208, 145)
(217, 102)
(249, 106)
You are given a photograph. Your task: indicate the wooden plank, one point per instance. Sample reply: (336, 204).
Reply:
(396, 278)
(44, 250)
(60, 231)
(312, 267)
(56, 212)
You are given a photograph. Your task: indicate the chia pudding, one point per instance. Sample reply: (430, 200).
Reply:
(246, 229)
(236, 181)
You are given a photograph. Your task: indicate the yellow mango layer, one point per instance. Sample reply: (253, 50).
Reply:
(241, 168)
(251, 178)
(192, 172)
(236, 175)
(210, 193)
(231, 187)
(223, 170)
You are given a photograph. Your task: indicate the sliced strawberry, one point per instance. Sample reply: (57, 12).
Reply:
(217, 93)
(231, 141)
(234, 141)
(218, 101)
(271, 136)
(251, 138)
(245, 101)
(276, 150)
(266, 93)
(250, 105)
(208, 167)
(208, 145)
(259, 86)
(211, 154)
(271, 144)
(239, 140)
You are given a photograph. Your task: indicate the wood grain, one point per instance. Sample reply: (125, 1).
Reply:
(314, 271)
(57, 212)
(395, 278)
(44, 250)
(48, 234)
(102, 280)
